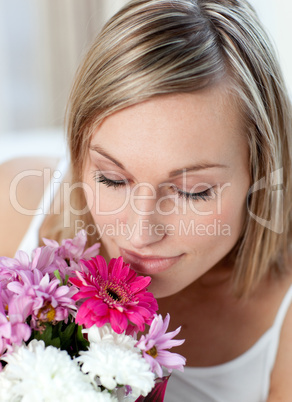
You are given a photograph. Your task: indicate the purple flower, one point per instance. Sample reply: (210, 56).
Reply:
(43, 259)
(73, 249)
(50, 302)
(5, 333)
(19, 309)
(153, 346)
(49, 258)
(13, 329)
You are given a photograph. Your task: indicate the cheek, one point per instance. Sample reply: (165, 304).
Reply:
(105, 204)
(234, 208)
(218, 230)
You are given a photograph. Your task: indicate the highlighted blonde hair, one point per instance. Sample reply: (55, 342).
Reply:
(157, 47)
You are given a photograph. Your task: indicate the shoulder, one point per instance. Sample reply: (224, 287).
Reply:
(23, 181)
(281, 385)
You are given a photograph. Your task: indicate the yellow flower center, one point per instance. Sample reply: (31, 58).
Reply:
(152, 352)
(48, 312)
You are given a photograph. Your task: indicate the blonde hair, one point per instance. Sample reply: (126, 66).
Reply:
(156, 47)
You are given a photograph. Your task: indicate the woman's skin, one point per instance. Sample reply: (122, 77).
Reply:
(126, 175)
(141, 162)
(32, 175)
(200, 138)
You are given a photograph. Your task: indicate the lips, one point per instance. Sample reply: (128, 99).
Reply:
(148, 264)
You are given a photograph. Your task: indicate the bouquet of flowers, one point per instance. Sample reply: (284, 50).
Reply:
(69, 326)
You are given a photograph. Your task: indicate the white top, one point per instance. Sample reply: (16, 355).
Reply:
(31, 238)
(243, 379)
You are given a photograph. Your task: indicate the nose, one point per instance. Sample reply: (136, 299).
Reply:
(145, 222)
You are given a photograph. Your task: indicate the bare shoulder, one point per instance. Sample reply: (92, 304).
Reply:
(281, 385)
(23, 181)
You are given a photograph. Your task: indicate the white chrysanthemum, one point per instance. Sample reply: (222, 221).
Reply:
(47, 374)
(116, 364)
(6, 389)
(107, 334)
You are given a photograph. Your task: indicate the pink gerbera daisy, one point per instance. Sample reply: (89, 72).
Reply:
(153, 346)
(113, 294)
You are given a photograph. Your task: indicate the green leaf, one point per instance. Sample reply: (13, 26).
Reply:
(81, 341)
(58, 276)
(67, 335)
(49, 335)
(80, 336)
(69, 331)
(45, 335)
(66, 279)
(56, 343)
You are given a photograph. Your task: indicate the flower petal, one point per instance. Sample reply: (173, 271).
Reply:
(118, 321)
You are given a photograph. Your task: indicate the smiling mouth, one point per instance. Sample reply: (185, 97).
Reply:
(148, 264)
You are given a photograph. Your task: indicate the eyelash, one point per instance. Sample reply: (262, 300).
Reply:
(100, 178)
(203, 195)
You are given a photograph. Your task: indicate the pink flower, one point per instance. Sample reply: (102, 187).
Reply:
(19, 309)
(73, 249)
(42, 259)
(48, 259)
(50, 302)
(157, 393)
(5, 333)
(9, 267)
(13, 328)
(153, 346)
(7, 275)
(113, 294)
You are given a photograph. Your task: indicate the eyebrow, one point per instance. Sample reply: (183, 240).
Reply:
(176, 172)
(198, 166)
(101, 151)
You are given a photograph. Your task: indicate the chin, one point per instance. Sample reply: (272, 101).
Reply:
(161, 288)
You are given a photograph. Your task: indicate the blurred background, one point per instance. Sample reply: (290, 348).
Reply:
(41, 45)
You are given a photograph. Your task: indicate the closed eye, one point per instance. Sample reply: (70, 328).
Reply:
(100, 178)
(205, 195)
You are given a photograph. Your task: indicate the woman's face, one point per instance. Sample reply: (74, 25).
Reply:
(166, 182)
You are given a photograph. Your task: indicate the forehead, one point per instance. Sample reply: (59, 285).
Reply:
(201, 126)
